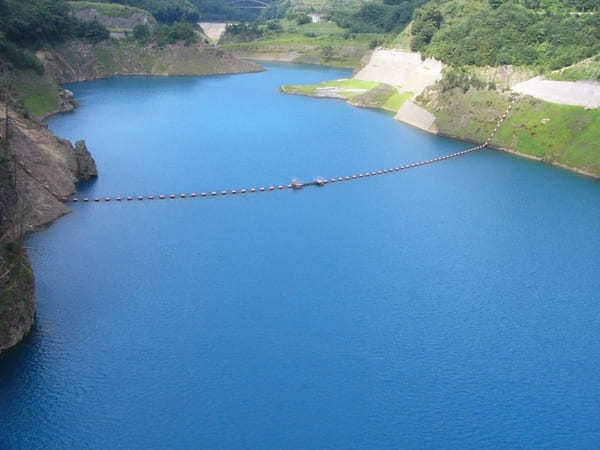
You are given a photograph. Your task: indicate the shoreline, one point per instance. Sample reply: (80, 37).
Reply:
(509, 151)
(517, 153)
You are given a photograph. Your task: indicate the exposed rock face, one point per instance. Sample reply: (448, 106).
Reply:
(17, 312)
(42, 168)
(77, 61)
(136, 18)
(66, 101)
(86, 166)
(45, 165)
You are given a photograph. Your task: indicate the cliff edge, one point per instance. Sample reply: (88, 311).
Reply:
(37, 170)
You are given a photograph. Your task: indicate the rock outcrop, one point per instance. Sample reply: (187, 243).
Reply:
(17, 301)
(121, 22)
(46, 165)
(38, 170)
(86, 166)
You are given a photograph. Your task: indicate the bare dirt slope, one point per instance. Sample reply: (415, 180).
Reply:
(577, 93)
(402, 69)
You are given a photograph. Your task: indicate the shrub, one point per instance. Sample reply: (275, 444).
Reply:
(303, 19)
(93, 31)
(141, 32)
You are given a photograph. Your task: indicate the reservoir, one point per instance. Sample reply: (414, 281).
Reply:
(452, 305)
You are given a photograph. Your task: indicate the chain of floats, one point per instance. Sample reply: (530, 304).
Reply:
(294, 185)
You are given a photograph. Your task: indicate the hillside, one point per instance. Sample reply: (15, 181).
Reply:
(115, 17)
(548, 35)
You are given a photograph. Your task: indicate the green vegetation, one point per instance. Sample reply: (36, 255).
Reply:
(16, 285)
(377, 17)
(170, 34)
(347, 88)
(538, 33)
(165, 11)
(351, 83)
(314, 43)
(395, 102)
(365, 94)
(109, 9)
(588, 69)
(555, 133)
(39, 94)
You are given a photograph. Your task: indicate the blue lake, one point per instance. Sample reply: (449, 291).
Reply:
(453, 305)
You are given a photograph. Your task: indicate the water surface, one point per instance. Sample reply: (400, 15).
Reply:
(454, 305)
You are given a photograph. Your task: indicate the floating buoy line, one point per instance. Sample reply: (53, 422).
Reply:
(293, 185)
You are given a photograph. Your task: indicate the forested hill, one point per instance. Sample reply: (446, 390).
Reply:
(545, 33)
(165, 11)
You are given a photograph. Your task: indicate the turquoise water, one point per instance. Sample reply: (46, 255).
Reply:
(454, 305)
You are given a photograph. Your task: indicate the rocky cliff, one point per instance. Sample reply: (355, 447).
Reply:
(79, 61)
(37, 170)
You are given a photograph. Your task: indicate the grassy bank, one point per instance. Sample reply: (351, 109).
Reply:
(588, 69)
(365, 94)
(559, 134)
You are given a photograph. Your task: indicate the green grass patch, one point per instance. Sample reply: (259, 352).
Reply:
(300, 89)
(557, 133)
(394, 102)
(39, 94)
(568, 135)
(309, 89)
(588, 69)
(350, 83)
